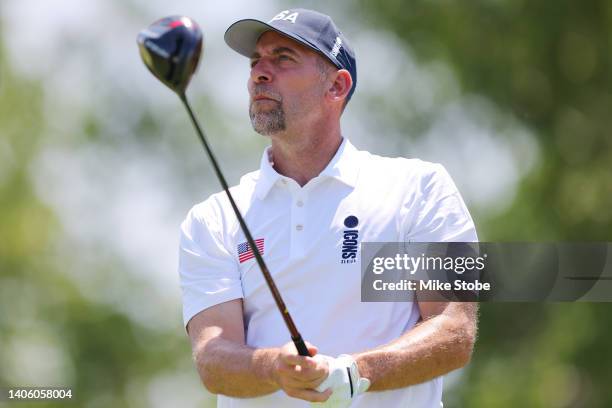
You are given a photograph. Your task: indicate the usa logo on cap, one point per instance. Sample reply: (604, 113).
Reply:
(285, 15)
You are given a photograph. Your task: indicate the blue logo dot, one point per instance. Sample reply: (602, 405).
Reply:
(351, 221)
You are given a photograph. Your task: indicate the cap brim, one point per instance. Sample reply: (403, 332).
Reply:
(242, 37)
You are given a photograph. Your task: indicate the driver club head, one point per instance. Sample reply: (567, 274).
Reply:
(171, 48)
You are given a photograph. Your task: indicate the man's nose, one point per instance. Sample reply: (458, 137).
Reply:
(261, 72)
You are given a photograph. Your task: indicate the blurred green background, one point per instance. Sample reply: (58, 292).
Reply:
(99, 165)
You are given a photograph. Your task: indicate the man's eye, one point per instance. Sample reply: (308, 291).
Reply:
(284, 58)
(253, 62)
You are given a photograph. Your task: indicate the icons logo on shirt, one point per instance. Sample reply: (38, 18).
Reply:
(245, 252)
(350, 240)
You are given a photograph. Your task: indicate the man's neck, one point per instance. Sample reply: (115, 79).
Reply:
(303, 157)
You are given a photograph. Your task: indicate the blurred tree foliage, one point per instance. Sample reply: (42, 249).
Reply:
(549, 63)
(50, 334)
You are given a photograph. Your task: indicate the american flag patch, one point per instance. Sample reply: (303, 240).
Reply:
(245, 252)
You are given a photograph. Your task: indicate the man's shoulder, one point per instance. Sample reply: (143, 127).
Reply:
(411, 177)
(217, 203)
(402, 166)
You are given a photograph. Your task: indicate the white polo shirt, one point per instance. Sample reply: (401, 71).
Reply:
(302, 233)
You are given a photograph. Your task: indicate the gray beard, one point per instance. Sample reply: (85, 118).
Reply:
(269, 122)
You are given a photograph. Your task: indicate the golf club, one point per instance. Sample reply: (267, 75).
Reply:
(171, 48)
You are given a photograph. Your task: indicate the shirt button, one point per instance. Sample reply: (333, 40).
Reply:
(299, 227)
(300, 203)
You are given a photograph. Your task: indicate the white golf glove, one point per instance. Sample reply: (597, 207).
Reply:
(344, 380)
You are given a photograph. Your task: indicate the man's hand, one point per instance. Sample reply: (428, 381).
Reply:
(298, 376)
(344, 380)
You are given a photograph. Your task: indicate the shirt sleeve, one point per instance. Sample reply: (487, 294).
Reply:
(208, 272)
(438, 214)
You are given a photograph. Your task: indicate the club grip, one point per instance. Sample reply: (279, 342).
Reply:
(300, 345)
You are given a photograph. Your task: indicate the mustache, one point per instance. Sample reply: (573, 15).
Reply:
(266, 92)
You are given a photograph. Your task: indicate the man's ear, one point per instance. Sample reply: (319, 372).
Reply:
(341, 86)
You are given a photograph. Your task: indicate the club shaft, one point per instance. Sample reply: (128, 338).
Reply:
(295, 335)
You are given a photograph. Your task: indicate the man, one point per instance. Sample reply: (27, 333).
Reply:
(314, 186)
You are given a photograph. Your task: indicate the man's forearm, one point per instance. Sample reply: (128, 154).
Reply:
(234, 369)
(432, 348)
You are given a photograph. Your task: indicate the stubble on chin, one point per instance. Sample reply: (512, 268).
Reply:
(267, 122)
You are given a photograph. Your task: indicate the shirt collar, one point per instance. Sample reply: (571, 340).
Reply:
(344, 167)
(267, 175)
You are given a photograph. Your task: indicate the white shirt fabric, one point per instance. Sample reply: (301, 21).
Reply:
(394, 199)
